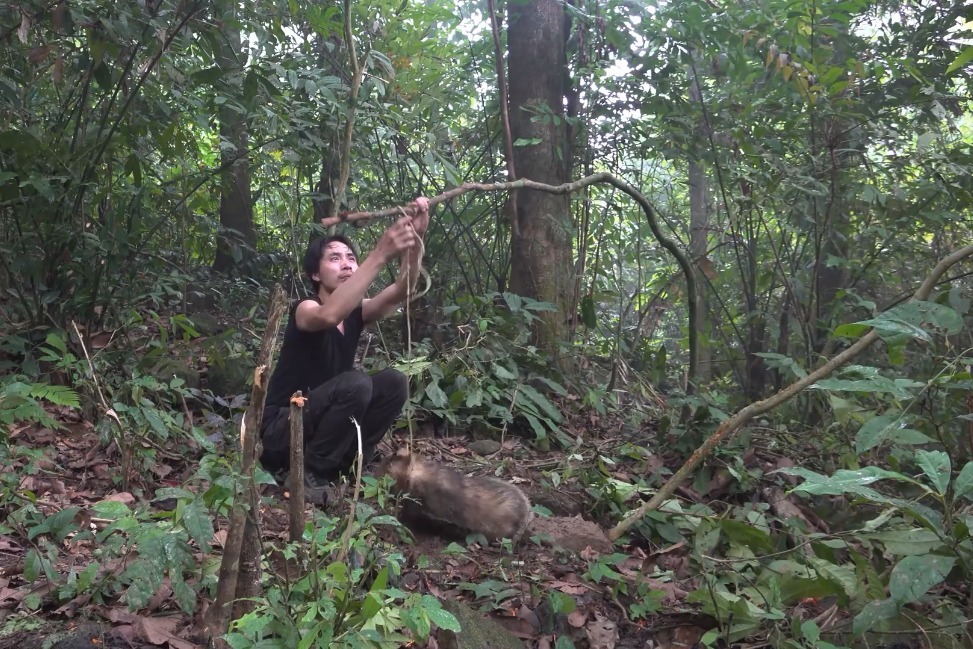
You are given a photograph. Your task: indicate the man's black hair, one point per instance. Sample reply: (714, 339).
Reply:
(315, 250)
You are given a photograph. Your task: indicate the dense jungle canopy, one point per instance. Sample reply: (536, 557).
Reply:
(770, 186)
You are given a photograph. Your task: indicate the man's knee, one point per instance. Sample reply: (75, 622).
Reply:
(392, 384)
(354, 387)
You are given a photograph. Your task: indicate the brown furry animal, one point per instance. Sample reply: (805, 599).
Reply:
(455, 504)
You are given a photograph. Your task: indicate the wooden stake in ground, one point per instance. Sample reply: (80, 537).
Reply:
(240, 568)
(295, 479)
(731, 425)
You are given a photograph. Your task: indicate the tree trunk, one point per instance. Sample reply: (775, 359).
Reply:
(541, 266)
(700, 212)
(699, 221)
(236, 237)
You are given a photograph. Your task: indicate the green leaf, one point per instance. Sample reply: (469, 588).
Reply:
(371, 605)
(57, 342)
(937, 468)
(436, 395)
(179, 493)
(59, 524)
(964, 57)
(911, 316)
(887, 428)
(810, 632)
(747, 535)
(561, 602)
(563, 641)
(873, 613)
(185, 596)
(144, 578)
(924, 141)
(381, 580)
(539, 430)
(155, 422)
(845, 481)
(474, 398)
(502, 372)
(912, 577)
(915, 541)
(541, 401)
(964, 482)
(198, 524)
(876, 430)
(443, 618)
(843, 575)
(33, 564)
(111, 509)
(208, 76)
(875, 385)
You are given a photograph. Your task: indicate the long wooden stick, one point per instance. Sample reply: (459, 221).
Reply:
(245, 504)
(731, 425)
(603, 177)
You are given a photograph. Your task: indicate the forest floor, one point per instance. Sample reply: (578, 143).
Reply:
(512, 589)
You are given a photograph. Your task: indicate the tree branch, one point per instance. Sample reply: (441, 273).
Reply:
(567, 188)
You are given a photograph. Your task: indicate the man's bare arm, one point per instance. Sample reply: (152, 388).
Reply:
(311, 316)
(398, 239)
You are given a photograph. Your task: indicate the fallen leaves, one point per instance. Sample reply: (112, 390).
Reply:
(158, 631)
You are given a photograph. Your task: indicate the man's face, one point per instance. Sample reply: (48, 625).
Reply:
(337, 264)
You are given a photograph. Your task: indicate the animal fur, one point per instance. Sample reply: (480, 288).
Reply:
(456, 504)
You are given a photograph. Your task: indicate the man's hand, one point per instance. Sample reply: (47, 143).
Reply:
(420, 222)
(399, 238)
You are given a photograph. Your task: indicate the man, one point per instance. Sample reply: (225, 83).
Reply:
(318, 352)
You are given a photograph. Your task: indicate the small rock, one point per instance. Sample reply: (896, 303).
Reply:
(484, 446)
(207, 324)
(231, 378)
(167, 369)
(572, 533)
(477, 632)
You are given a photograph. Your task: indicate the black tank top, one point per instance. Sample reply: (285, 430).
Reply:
(309, 358)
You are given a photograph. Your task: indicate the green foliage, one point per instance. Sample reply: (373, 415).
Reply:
(340, 599)
(931, 529)
(151, 547)
(487, 377)
(22, 403)
(644, 600)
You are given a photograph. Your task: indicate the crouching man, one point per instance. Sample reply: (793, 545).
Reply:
(317, 357)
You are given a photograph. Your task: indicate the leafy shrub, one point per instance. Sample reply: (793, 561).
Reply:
(489, 375)
(343, 595)
(22, 402)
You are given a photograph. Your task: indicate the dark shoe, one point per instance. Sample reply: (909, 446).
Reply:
(317, 490)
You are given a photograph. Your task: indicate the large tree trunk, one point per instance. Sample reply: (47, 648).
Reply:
(236, 237)
(700, 212)
(699, 222)
(541, 266)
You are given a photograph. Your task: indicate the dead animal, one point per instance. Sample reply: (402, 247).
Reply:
(454, 504)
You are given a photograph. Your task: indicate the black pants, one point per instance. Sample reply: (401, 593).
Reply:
(330, 439)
